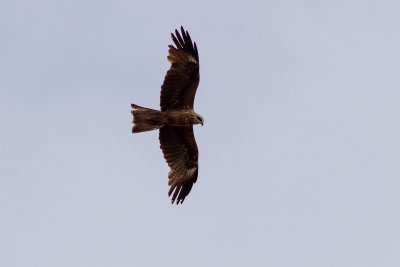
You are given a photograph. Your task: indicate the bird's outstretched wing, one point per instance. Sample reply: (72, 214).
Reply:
(181, 153)
(180, 83)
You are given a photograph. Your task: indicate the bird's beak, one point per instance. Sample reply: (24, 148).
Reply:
(202, 124)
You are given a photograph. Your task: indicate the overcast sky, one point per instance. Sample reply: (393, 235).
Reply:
(299, 155)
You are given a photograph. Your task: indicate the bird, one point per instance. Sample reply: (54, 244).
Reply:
(176, 116)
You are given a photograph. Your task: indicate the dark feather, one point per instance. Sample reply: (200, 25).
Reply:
(180, 84)
(180, 151)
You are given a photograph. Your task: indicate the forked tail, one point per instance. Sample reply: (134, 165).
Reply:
(145, 119)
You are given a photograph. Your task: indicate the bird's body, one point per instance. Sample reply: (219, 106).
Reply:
(176, 117)
(155, 119)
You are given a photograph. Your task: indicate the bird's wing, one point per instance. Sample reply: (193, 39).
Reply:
(181, 153)
(180, 83)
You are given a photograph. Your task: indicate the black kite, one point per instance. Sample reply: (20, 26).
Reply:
(177, 117)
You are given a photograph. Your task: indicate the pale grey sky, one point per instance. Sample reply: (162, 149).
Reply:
(299, 155)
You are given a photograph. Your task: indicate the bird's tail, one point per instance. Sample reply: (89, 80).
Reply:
(145, 119)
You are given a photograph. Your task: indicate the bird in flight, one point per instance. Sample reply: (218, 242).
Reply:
(177, 117)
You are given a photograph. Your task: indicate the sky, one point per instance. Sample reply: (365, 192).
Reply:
(298, 157)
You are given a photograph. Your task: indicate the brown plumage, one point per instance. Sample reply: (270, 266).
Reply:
(177, 117)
